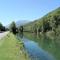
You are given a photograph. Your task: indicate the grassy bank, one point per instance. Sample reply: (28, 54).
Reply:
(12, 49)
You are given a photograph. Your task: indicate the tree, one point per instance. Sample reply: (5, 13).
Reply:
(57, 20)
(21, 29)
(13, 27)
(55, 23)
(1, 27)
(46, 26)
(35, 28)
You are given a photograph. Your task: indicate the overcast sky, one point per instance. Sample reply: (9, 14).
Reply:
(14, 10)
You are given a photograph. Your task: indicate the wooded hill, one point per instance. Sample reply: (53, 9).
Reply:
(50, 21)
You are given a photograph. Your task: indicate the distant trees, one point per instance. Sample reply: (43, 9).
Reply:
(40, 29)
(35, 28)
(13, 28)
(48, 23)
(21, 29)
(2, 28)
(57, 20)
(46, 26)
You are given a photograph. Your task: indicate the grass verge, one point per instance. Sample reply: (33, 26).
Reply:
(12, 49)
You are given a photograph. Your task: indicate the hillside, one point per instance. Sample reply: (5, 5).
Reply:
(48, 17)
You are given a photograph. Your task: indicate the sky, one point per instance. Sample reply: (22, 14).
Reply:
(14, 10)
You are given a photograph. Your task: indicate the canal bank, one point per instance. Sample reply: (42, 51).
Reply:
(12, 49)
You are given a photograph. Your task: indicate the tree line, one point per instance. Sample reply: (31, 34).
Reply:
(13, 28)
(49, 23)
(2, 28)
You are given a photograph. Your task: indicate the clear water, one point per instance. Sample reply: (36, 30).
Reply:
(34, 51)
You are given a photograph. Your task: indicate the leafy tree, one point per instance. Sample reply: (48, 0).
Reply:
(21, 29)
(2, 28)
(35, 28)
(13, 27)
(46, 26)
(39, 29)
(57, 20)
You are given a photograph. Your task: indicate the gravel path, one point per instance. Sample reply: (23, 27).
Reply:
(3, 34)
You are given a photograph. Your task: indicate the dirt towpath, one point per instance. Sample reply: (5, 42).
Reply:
(3, 34)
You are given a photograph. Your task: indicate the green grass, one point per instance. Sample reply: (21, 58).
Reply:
(12, 49)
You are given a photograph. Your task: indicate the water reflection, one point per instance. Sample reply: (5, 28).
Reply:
(33, 49)
(46, 43)
(20, 34)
